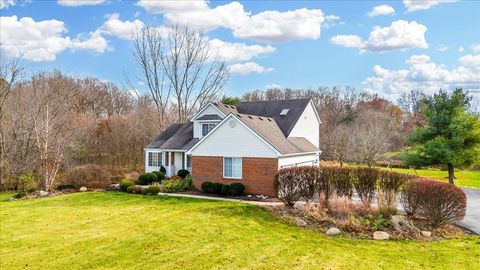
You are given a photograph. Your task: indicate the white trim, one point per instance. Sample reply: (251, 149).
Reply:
(241, 168)
(241, 122)
(302, 154)
(315, 110)
(204, 107)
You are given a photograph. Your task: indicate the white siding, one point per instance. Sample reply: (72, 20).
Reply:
(307, 126)
(197, 125)
(238, 141)
(303, 160)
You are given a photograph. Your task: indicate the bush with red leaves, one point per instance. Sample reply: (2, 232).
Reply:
(438, 202)
(287, 185)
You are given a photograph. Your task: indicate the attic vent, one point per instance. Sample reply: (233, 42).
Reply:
(232, 107)
(250, 117)
(269, 119)
(239, 115)
(284, 112)
(260, 118)
(215, 104)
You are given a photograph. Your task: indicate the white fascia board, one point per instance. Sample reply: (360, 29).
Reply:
(315, 110)
(302, 154)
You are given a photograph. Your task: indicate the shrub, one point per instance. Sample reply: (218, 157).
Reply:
(225, 190)
(172, 185)
(160, 176)
(308, 182)
(207, 187)
(325, 184)
(389, 185)
(163, 170)
(365, 181)
(138, 190)
(217, 188)
(183, 173)
(175, 177)
(187, 182)
(125, 183)
(116, 178)
(147, 178)
(153, 190)
(144, 190)
(237, 189)
(286, 185)
(410, 196)
(90, 176)
(342, 182)
(438, 202)
(28, 182)
(130, 189)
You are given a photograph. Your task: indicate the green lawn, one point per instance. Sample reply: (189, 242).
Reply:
(463, 178)
(124, 231)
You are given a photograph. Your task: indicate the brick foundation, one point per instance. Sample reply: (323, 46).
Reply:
(257, 173)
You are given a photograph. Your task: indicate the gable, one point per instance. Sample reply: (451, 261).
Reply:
(308, 126)
(233, 138)
(209, 110)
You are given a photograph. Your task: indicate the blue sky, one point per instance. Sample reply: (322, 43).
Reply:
(385, 47)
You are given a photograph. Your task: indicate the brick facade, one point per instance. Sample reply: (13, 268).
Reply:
(257, 173)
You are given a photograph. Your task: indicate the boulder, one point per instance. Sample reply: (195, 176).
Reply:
(299, 205)
(426, 233)
(83, 189)
(333, 231)
(379, 235)
(43, 193)
(398, 221)
(301, 222)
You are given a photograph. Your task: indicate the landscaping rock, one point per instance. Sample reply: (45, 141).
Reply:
(399, 221)
(333, 231)
(426, 233)
(379, 235)
(301, 222)
(299, 205)
(83, 189)
(42, 193)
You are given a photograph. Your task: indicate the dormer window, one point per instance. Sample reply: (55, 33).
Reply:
(207, 127)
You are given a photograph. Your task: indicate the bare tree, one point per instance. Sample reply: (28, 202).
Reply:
(9, 75)
(53, 121)
(371, 136)
(179, 63)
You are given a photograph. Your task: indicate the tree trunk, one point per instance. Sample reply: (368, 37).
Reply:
(451, 174)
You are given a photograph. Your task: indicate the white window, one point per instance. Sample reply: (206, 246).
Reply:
(232, 167)
(154, 159)
(207, 127)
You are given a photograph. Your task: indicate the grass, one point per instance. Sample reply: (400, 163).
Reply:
(124, 231)
(463, 178)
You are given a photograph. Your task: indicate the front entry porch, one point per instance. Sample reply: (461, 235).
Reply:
(173, 161)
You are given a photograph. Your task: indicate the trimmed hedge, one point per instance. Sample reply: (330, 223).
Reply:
(234, 189)
(183, 173)
(147, 178)
(152, 190)
(160, 175)
(287, 185)
(438, 202)
(125, 183)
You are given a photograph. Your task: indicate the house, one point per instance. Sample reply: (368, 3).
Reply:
(246, 143)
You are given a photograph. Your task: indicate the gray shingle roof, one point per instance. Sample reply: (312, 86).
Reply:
(273, 108)
(176, 137)
(268, 129)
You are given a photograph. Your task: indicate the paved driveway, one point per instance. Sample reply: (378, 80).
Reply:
(472, 218)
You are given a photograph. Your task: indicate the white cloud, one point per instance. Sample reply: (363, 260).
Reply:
(43, 40)
(461, 49)
(475, 48)
(122, 29)
(414, 5)
(6, 3)
(330, 21)
(273, 86)
(381, 10)
(400, 35)
(238, 51)
(425, 75)
(270, 26)
(76, 3)
(247, 68)
(442, 48)
(349, 41)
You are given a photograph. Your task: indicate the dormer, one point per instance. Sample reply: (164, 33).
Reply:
(208, 117)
